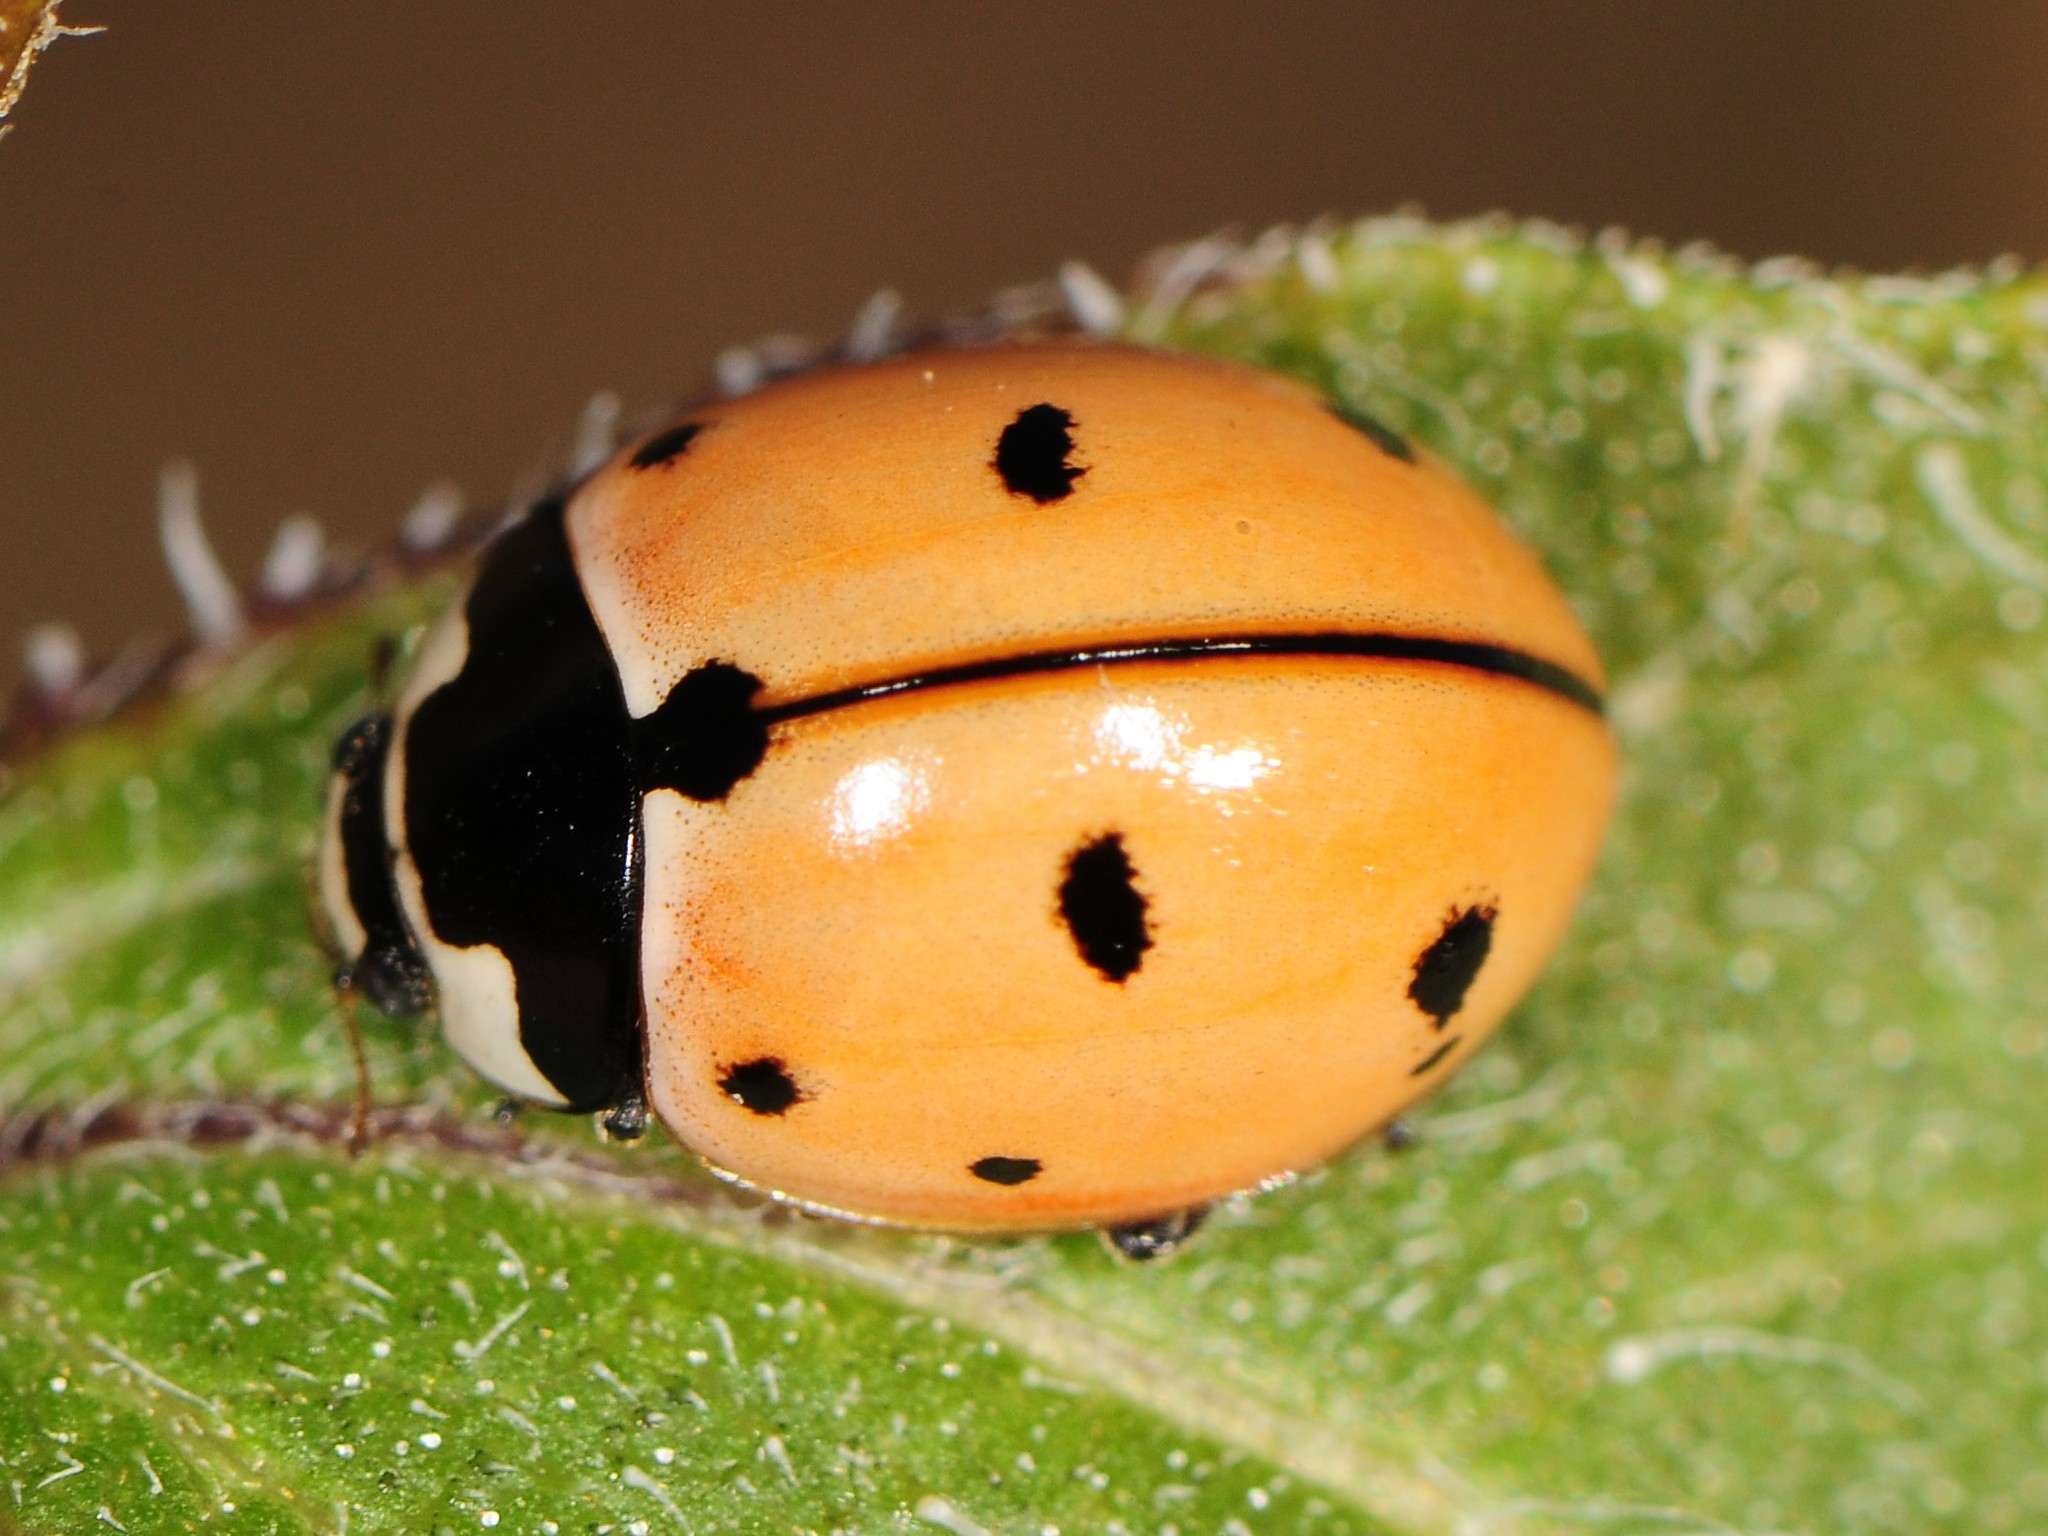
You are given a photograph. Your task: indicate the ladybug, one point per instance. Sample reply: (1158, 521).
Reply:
(1044, 786)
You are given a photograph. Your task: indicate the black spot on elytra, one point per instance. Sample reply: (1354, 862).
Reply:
(1435, 1056)
(1383, 437)
(1006, 1170)
(706, 736)
(1444, 972)
(763, 1086)
(1100, 901)
(665, 447)
(1034, 454)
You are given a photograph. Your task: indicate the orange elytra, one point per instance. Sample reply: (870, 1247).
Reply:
(1050, 785)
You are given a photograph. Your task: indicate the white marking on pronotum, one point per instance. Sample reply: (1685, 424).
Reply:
(292, 568)
(1096, 306)
(1634, 1359)
(53, 655)
(633, 1477)
(933, 1510)
(1945, 480)
(474, 1352)
(432, 518)
(597, 433)
(874, 327)
(210, 598)
(149, 1377)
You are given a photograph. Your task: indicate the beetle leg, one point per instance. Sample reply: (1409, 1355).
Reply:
(359, 1116)
(1156, 1237)
(625, 1120)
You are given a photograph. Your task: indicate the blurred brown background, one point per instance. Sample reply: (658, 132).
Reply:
(332, 252)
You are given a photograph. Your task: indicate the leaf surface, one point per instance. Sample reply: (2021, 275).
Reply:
(1737, 1226)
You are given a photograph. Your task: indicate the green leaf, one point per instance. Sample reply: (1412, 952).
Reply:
(1738, 1226)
